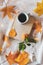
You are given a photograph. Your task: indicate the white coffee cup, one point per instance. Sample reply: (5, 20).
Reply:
(23, 17)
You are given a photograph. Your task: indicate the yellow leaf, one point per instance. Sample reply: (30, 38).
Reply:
(39, 9)
(21, 57)
(12, 33)
(25, 61)
(38, 4)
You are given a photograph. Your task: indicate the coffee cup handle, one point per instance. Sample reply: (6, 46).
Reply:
(29, 15)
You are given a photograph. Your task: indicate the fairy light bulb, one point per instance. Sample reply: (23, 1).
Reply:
(1, 26)
(6, 1)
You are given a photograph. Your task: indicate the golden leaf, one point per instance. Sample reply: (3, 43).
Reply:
(12, 33)
(23, 58)
(39, 9)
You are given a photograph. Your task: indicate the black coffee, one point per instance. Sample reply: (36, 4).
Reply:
(22, 17)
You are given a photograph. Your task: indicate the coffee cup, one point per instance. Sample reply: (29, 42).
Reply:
(23, 17)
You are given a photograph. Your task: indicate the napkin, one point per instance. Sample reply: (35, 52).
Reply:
(27, 6)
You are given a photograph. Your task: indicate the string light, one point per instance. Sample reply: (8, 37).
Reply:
(1, 25)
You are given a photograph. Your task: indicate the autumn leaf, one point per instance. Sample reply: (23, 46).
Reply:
(39, 8)
(8, 10)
